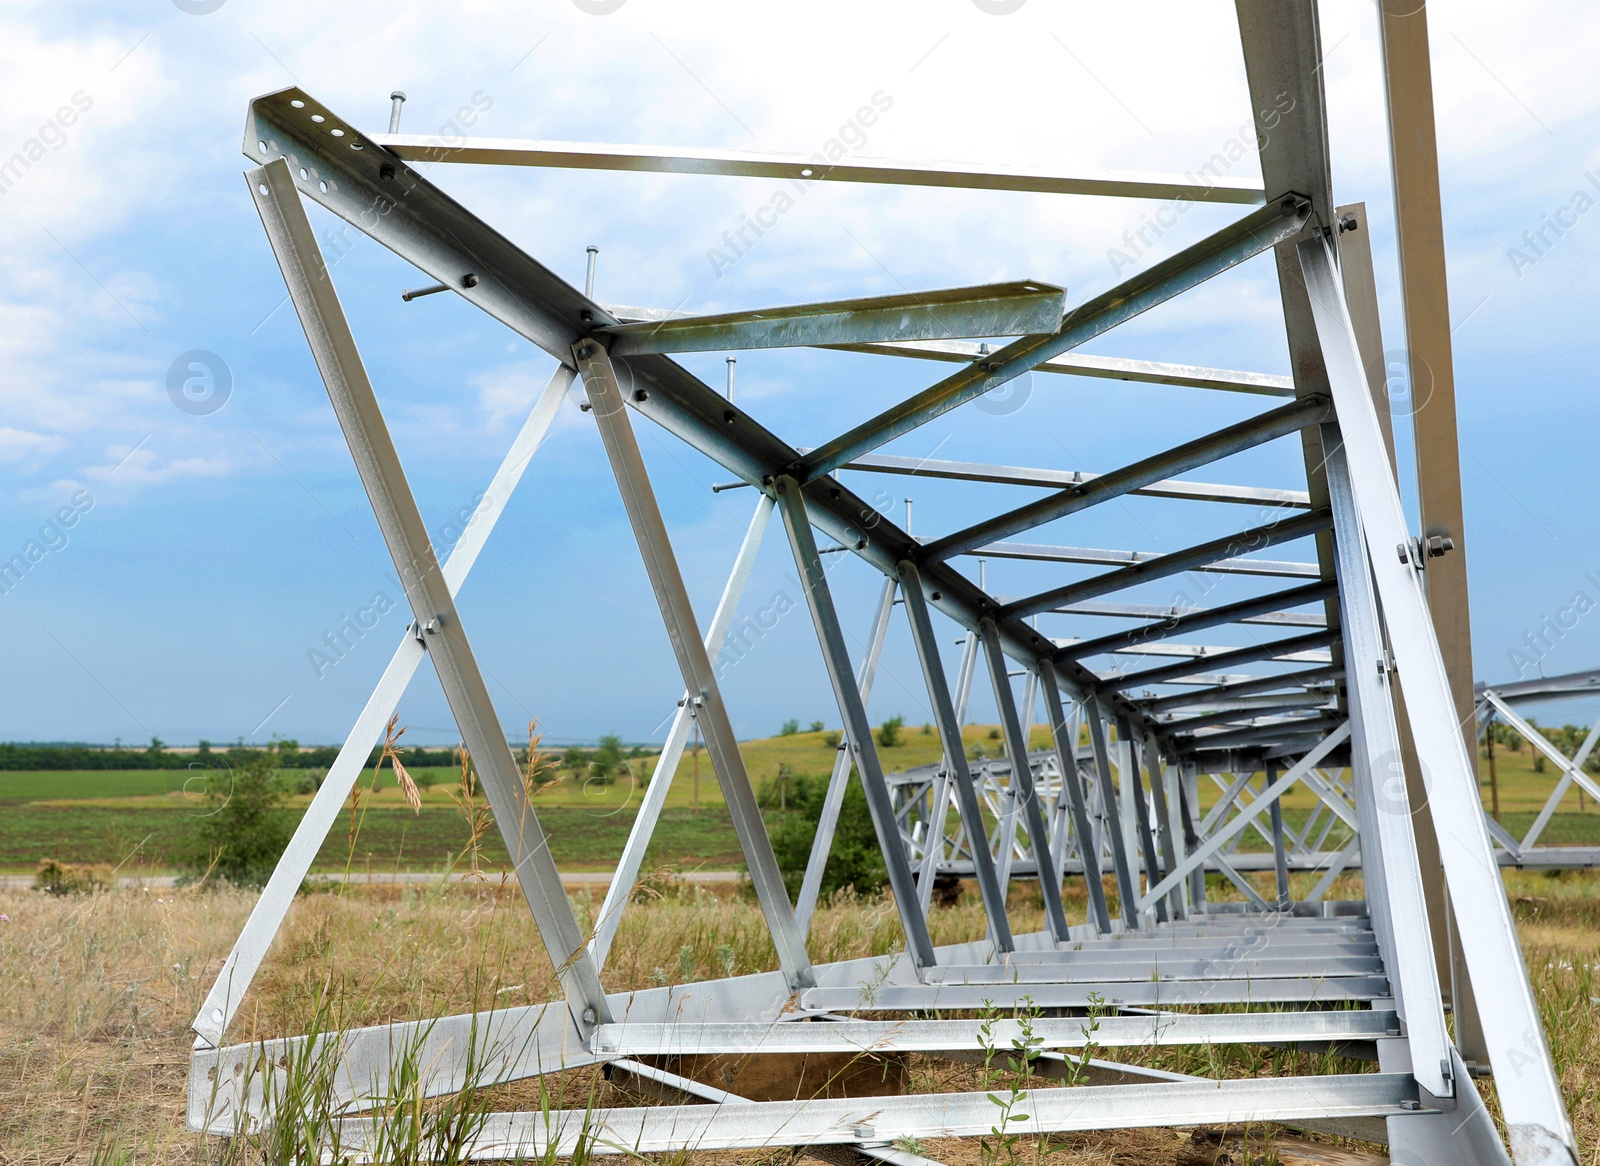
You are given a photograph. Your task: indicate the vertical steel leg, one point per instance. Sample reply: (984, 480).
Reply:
(843, 764)
(1280, 855)
(404, 533)
(1524, 1074)
(792, 505)
(644, 514)
(1158, 795)
(959, 775)
(1127, 888)
(1025, 798)
(1072, 793)
(276, 897)
(655, 794)
(1133, 788)
(1188, 802)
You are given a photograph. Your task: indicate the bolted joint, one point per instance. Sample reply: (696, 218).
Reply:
(1439, 545)
(1348, 223)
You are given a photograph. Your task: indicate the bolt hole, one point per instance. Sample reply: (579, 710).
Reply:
(263, 147)
(322, 186)
(318, 118)
(338, 133)
(386, 172)
(262, 187)
(298, 104)
(357, 146)
(806, 173)
(303, 174)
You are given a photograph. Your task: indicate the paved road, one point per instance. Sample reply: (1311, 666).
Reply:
(572, 879)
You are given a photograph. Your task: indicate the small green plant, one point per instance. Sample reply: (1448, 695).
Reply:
(889, 732)
(1078, 1067)
(790, 728)
(1005, 1089)
(833, 740)
(907, 1144)
(817, 726)
(994, 734)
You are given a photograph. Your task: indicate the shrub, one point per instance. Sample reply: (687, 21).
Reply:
(854, 859)
(817, 726)
(243, 831)
(68, 878)
(833, 740)
(994, 733)
(608, 760)
(790, 728)
(889, 732)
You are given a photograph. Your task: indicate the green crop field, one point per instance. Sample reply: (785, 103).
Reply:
(142, 818)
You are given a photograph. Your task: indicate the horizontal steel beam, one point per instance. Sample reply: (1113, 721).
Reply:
(1077, 497)
(1166, 612)
(802, 170)
(915, 998)
(1113, 368)
(1276, 649)
(1286, 730)
(1257, 232)
(1187, 725)
(1304, 679)
(857, 1036)
(1245, 611)
(1116, 368)
(1020, 476)
(1173, 563)
(1000, 309)
(1231, 566)
(1584, 683)
(549, 1134)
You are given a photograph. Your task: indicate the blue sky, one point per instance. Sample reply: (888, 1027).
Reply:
(210, 553)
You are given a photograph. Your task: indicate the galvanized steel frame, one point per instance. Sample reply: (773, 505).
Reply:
(1076, 815)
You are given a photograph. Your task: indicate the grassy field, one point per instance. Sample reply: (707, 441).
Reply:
(140, 818)
(94, 1039)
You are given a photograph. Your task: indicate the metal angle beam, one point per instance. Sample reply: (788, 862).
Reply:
(1066, 479)
(1035, 552)
(1226, 692)
(802, 170)
(1276, 649)
(677, 613)
(618, 894)
(836, 658)
(1257, 232)
(1166, 612)
(1072, 790)
(550, 1134)
(1115, 368)
(1525, 1076)
(999, 309)
(1025, 796)
(1173, 563)
(1180, 622)
(1389, 863)
(1170, 1029)
(927, 645)
(1286, 732)
(1141, 994)
(1103, 488)
(406, 537)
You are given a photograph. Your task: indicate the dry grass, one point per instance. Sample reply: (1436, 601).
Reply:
(100, 988)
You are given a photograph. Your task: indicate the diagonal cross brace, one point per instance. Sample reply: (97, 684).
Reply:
(677, 613)
(267, 916)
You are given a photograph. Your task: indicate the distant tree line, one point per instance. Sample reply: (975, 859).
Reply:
(157, 756)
